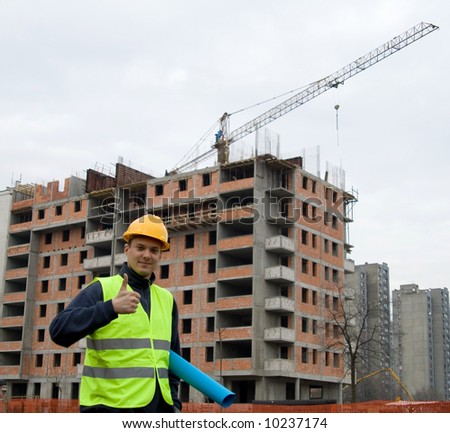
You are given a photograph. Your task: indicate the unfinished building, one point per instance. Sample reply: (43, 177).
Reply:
(256, 264)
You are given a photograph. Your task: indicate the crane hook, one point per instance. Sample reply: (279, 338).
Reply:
(336, 107)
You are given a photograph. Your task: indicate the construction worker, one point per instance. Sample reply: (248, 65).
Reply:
(130, 325)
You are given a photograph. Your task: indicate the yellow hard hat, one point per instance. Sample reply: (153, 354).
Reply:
(150, 226)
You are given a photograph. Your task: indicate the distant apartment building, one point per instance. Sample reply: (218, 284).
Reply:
(422, 339)
(256, 264)
(369, 303)
(370, 283)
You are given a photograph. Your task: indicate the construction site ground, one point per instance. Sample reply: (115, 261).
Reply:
(22, 405)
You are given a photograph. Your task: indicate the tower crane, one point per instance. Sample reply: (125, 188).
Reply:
(224, 138)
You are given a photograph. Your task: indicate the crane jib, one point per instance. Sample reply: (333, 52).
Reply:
(332, 81)
(315, 89)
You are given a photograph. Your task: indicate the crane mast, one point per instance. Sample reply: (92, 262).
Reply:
(224, 139)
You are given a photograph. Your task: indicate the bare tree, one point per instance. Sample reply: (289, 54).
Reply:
(57, 379)
(351, 334)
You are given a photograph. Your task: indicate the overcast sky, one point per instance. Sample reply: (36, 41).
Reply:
(84, 83)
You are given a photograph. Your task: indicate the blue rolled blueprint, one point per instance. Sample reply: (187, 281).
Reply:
(200, 381)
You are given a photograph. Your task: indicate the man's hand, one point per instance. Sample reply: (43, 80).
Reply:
(126, 301)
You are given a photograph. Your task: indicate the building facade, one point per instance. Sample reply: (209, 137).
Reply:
(256, 265)
(422, 339)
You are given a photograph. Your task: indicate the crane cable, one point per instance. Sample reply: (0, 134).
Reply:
(197, 145)
(270, 99)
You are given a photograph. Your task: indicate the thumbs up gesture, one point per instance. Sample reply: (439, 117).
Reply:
(126, 301)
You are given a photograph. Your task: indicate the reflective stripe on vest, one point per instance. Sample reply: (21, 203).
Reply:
(124, 373)
(119, 371)
(126, 343)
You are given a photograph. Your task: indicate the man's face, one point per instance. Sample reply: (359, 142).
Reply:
(143, 255)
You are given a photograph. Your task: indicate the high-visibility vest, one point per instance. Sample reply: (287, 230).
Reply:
(125, 358)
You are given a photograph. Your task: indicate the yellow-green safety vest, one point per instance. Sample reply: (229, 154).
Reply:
(125, 358)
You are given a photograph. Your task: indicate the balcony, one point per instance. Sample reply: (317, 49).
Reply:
(239, 241)
(237, 213)
(349, 266)
(279, 335)
(229, 303)
(235, 272)
(103, 262)
(236, 185)
(21, 226)
(279, 366)
(281, 213)
(10, 371)
(186, 221)
(10, 346)
(12, 321)
(18, 273)
(19, 250)
(11, 297)
(279, 192)
(279, 304)
(280, 274)
(280, 245)
(100, 237)
(234, 366)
